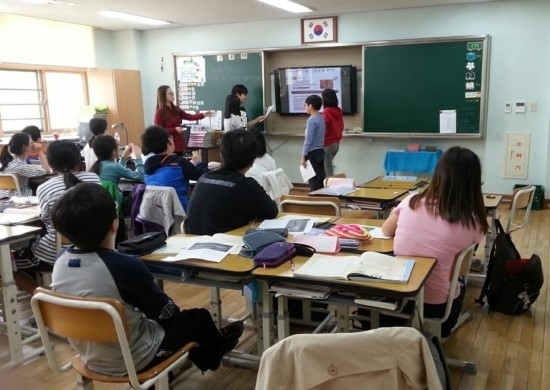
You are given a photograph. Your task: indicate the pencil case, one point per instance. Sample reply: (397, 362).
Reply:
(255, 241)
(280, 231)
(275, 254)
(142, 244)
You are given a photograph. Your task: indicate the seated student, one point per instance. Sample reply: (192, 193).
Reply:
(232, 118)
(13, 158)
(92, 268)
(226, 199)
(163, 168)
(64, 158)
(439, 223)
(98, 126)
(36, 136)
(263, 162)
(106, 150)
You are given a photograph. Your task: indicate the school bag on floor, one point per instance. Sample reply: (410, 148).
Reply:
(512, 284)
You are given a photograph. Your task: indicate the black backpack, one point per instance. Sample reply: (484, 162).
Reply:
(512, 284)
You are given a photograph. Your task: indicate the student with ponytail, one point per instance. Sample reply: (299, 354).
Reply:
(106, 150)
(64, 158)
(13, 158)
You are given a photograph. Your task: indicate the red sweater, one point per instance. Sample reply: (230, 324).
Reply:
(334, 125)
(170, 118)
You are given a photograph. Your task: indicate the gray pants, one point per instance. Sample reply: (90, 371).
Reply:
(330, 152)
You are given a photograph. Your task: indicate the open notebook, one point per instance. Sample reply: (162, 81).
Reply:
(370, 266)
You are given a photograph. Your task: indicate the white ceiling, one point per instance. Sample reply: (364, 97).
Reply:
(198, 12)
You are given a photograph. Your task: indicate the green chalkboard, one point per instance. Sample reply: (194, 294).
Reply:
(204, 81)
(426, 88)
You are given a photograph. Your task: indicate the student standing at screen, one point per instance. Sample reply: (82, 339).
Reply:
(232, 118)
(334, 126)
(439, 223)
(169, 116)
(313, 142)
(241, 92)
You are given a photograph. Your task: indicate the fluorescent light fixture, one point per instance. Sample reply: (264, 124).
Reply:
(133, 18)
(50, 2)
(287, 5)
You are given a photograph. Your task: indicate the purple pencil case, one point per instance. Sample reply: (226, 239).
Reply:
(275, 254)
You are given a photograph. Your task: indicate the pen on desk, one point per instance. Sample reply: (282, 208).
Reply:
(292, 264)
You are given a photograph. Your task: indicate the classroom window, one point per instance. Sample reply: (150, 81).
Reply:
(48, 99)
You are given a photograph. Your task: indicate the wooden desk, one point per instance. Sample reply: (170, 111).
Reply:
(414, 288)
(10, 235)
(377, 199)
(233, 272)
(379, 182)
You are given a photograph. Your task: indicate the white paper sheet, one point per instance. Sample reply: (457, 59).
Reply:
(204, 250)
(376, 232)
(268, 111)
(447, 121)
(307, 172)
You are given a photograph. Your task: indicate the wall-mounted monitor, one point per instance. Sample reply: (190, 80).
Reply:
(294, 85)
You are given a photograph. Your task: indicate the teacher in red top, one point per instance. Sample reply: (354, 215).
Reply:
(169, 116)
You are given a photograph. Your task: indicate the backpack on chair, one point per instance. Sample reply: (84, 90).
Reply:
(512, 284)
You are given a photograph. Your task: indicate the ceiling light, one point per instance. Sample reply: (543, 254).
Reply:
(133, 18)
(50, 2)
(287, 5)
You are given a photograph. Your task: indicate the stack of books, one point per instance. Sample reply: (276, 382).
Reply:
(199, 138)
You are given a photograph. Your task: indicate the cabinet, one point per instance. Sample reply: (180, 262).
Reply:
(120, 90)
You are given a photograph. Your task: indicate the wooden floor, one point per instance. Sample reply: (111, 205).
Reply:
(511, 352)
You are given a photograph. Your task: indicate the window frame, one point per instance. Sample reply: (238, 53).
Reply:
(41, 71)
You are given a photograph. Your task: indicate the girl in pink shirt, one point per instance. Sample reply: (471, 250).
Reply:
(439, 223)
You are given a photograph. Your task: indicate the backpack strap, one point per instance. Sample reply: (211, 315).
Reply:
(487, 282)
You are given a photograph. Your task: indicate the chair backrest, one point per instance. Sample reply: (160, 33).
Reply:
(86, 319)
(160, 210)
(316, 205)
(522, 198)
(276, 183)
(96, 320)
(9, 181)
(463, 257)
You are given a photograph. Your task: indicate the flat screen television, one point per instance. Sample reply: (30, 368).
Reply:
(293, 85)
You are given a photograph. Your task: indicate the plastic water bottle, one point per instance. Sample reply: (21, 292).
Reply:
(117, 138)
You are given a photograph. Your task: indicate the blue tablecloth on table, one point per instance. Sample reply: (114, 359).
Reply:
(405, 161)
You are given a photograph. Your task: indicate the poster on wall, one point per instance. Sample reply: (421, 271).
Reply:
(517, 155)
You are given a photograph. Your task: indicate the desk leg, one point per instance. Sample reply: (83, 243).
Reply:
(267, 316)
(216, 306)
(283, 328)
(418, 321)
(9, 292)
(342, 319)
(489, 240)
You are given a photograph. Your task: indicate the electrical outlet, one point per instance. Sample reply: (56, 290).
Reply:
(533, 107)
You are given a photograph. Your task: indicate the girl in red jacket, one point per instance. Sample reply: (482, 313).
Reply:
(169, 116)
(334, 126)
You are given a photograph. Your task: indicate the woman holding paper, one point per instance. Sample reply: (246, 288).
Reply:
(440, 222)
(169, 116)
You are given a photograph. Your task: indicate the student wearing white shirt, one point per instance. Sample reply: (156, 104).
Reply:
(98, 126)
(232, 118)
(13, 157)
(263, 162)
(241, 92)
